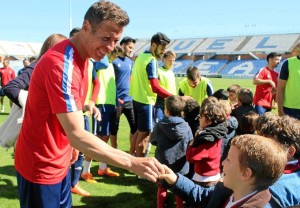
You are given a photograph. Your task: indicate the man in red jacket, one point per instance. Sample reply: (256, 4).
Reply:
(266, 83)
(6, 74)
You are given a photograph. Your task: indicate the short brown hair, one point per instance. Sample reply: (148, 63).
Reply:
(221, 94)
(226, 106)
(209, 100)
(245, 96)
(117, 49)
(289, 133)
(214, 113)
(285, 129)
(106, 10)
(169, 53)
(234, 88)
(266, 124)
(264, 156)
(247, 123)
(175, 105)
(160, 39)
(272, 55)
(126, 40)
(74, 31)
(192, 73)
(191, 109)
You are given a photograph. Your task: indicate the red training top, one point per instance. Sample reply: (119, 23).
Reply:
(263, 94)
(58, 85)
(6, 74)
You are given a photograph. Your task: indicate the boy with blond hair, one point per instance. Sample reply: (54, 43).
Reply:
(253, 164)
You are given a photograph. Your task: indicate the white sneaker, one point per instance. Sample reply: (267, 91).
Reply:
(2, 109)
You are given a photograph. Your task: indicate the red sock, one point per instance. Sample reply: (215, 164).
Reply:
(179, 202)
(161, 197)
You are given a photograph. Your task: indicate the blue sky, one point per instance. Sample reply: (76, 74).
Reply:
(35, 20)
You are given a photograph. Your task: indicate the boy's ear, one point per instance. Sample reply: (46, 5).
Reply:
(182, 114)
(292, 151)
(246, 174)
(209, 122)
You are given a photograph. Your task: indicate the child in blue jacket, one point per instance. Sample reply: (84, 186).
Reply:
(171, 136)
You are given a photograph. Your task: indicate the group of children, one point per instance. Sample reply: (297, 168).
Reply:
(228, 155)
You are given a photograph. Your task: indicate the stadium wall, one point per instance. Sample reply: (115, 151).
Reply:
(214, 48)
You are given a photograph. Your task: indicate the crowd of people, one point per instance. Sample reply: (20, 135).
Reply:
(213, 149)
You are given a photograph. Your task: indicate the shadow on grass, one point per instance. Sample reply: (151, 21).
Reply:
(130, 177)
(121, 200)
(4, 114)
(8, 170)
(7, 189)
(126, 199)
(146, 199)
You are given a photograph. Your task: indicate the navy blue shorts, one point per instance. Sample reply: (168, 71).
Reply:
(40, 195)
(86, 123)
(1, 92)
(143, 116)
(295, 113)
(108, 122)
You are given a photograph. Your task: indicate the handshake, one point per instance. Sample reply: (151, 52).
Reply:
(151, 169)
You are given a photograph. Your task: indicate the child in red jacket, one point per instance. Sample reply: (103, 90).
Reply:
(205, 150)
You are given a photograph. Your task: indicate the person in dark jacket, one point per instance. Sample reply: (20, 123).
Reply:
(245, 99)
(171, 135)
(26, 63)
(253, 164)
(191, 114)
(232, 125)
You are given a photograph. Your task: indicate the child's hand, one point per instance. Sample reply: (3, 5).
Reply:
(168, 176)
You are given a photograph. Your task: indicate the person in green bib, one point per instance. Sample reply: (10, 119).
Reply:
(288, 89)
(166, 79)
(195, 85)
(106, 102)
(144, 88)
